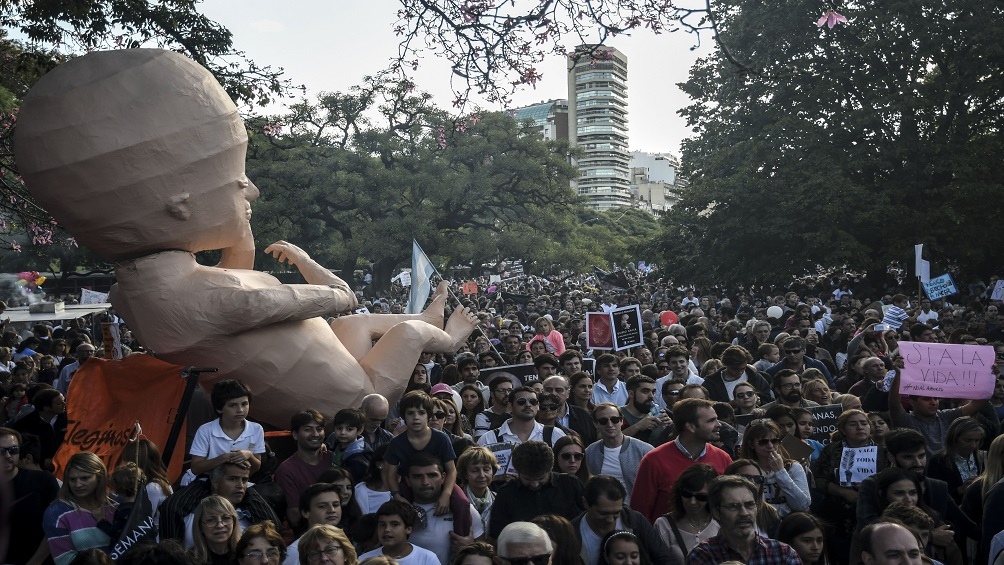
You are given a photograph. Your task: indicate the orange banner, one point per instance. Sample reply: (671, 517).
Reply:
(107, 398)
(470, 287)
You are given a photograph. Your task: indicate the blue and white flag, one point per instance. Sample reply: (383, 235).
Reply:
(421, 283)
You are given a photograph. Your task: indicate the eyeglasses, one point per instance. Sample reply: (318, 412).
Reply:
(792, 351)
(790, 386)
(755, 479)
(742, 395)
(569, 456)
(699, 496)
(610, 420)
(213, 520)
(439, 415)
(542, 559)
(549, 407)
(749, 505)
(270, 554)
(663, 367)
(330, 552)
(12, 450)
(765, 442)
(524, 401)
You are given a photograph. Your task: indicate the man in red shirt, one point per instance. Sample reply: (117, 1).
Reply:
(697, 425)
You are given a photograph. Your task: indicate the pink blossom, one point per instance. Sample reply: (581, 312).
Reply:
(441, 137)
(15, 246)
(830, 19)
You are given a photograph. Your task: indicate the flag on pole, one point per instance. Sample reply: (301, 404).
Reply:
(922, 268)
(421, 275)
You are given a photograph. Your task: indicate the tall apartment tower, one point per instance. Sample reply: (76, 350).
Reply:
(598, 124)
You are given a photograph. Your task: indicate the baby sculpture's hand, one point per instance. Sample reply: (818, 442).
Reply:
(286, 252)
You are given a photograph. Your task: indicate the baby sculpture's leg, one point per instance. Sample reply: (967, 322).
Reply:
(357, 332)
(393, 358)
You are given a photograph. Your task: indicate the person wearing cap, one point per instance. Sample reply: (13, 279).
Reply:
(444, 391)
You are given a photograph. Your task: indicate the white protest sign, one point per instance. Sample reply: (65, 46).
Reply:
(92, 297)
(947, 370)
(998, 292)
(503, 454)
(857, 464)
(940, 287)
(406, 279)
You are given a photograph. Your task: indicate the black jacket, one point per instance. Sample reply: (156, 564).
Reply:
(720, 393)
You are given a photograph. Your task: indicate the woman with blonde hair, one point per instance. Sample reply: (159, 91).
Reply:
(215, 532)
(960, 460)
(993, 471)
(71, 521)
(700, 352)
(326, 544)
(553, 341)
(816, 390)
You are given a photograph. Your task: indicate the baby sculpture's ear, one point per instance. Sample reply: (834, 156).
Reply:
(178, 206)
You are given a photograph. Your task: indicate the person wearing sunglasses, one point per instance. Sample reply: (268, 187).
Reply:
(524, 543)
(522, 426)
(608, 421)
(569, 455)
(787, 388)
(606, 513)
(746, 399)
(795, 359)
(31, 491)
(547, 412)
(689, 522)
(734, 505)
(786, 486)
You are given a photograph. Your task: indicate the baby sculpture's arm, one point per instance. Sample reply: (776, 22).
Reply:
(312, 272)
(240, 308)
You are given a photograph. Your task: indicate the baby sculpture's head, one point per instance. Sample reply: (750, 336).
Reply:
(136, 151)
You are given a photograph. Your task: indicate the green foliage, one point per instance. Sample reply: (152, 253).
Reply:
(843, 146)
(346, 188)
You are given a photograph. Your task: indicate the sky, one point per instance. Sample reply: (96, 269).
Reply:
(330, 45)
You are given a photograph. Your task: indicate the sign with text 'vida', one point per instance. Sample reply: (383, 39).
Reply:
(947, 370)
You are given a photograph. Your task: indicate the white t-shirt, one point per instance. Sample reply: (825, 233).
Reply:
(293, 553)
(731, 385)
(418, 556)
(591, 541)
(211, 441)
(612, 466)
(436, 535)
(369, 500)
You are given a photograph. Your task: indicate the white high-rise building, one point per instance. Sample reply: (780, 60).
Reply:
(598, 124)
(655, 180)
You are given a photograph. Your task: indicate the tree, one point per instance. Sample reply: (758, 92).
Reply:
(351, 190)
(495, 48)
(844, 145)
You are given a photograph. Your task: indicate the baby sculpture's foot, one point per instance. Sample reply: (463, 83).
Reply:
(434, 313)
(460, 325)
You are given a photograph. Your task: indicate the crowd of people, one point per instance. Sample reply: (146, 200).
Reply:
(697, 446)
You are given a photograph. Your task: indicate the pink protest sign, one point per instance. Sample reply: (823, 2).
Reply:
(947, 370)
